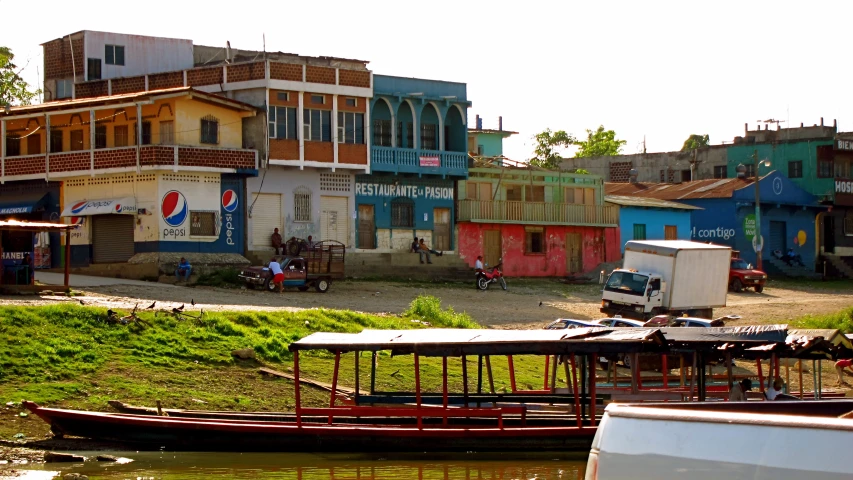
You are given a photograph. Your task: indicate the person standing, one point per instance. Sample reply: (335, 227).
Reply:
(839, 370)
(478, 265)
(27, 261)
(277, 275)
(184, 269)
(276, 241)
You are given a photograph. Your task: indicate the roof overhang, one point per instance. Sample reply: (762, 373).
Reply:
(108, 206)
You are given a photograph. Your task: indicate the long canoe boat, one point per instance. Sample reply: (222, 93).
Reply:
(483, 420)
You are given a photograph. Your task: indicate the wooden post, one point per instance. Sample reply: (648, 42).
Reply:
(760, 375)
(800, 368)
(545, 377)
(576, 392)
(357, 389)
(681, 370)
(373, 360)
(444, 399)
(479, 375)
(465, 380)
(566, 370)
(635, 359)
(335, 381)
(634, 369)
(593, 402)
(787, 376)
(693, 377)
(729, 370)
(554, 376)
(67, 279)
(418, 388)
(665, 369)
(489, 373)
(296, 388)
(511, 373)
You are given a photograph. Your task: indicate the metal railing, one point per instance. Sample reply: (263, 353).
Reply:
(410, 160)
(501, 211)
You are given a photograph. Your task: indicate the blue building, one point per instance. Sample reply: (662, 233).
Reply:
(727, 214)
(650, 218)
(418, 150)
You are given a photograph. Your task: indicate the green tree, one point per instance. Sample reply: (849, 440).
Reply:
(547, 142)
(13, 89)
(695, 141)
(599, 143)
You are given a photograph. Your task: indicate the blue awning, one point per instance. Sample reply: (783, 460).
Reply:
(22, 203)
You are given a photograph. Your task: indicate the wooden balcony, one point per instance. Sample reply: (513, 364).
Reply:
(536, 213)
(424, 162)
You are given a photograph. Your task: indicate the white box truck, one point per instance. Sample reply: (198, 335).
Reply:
(668, 277)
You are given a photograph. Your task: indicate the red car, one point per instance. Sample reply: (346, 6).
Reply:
(742, 275)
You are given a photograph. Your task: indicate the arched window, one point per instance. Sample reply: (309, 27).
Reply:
(402, 212)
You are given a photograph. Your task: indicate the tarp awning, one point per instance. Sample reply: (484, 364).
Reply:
(83, 208)
(21, 203)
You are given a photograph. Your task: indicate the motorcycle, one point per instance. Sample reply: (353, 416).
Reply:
(486, 277)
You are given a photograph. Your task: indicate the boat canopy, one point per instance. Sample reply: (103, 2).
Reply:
(440, 342)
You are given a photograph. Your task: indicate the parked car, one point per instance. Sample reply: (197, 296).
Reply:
(619, 322)
(742, 275)
(701, 322)
(565, 323)
(318, 267)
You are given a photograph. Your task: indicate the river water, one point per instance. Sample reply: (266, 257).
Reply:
(167, 465)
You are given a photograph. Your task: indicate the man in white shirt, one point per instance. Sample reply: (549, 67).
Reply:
(478, 265)
(774, 390)
(277, 275)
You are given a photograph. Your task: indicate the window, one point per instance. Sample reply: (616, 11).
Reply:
(318, 99)
(146, 133)
(750, 170)
(513, 193)
(480, 150)
(350, 127)
(120, 136)
(167, 133)
(351, 102)
(848, 223)
(100, 136)
(670, 232)
(317, 125)
(93, 69)
(795, 169)
(114, 54)
(282, 122)
(639, 231)
(382, 133)
(534, 194)
(34, 144)
(478, 191)
(203, 223)
(685, 176)
(825, 168)
(720, 171)
(410, 135)
(429, 136)
(302, 205)
(77, 140)
(13, 146)
(56, 141)
(534, 240)
(283, 96)
(63, 89)
(210, 130)
(402, 212)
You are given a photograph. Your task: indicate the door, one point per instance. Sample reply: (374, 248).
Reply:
(670, 232)
(574, 253)
(266, 216)
(334, 224)
(441, 229)
(294, 272)
(491, 247)
(828, 234)
(112, 238)
(366, 227)
(777, 237)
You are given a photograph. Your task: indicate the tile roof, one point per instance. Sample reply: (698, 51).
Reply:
(711, 188)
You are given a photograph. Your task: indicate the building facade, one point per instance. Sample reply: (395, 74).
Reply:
(649, 218)
(152, 172)
(537, 222)
(418, 151)
(485, 142)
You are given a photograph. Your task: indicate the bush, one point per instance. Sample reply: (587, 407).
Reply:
(428, 308)
(226, 277)
(842, 320)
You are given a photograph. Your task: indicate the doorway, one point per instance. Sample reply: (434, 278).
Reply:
(491, 247)
(828, 234)
(441, 229)
(574, 253)
(366, 227)
(778, 237)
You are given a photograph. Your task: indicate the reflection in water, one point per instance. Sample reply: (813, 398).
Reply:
(169, 465)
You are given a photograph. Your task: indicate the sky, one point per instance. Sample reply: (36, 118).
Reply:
(653, 71)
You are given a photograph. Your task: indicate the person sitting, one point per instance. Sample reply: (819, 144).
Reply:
(184, 269)
(424, 250)
(478, 265)
(774, 390)
(738, 391)
(309, 244)
(415, 248)
(276, 241)
(794, 257)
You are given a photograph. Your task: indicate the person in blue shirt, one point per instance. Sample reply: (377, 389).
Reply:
(184, 269)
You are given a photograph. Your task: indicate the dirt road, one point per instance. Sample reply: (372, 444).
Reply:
(517, 307)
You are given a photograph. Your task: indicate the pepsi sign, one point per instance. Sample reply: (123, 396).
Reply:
(78, 207)
(229, 201)
(174, 208)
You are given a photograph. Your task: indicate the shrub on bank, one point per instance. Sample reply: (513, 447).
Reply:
(842, 320)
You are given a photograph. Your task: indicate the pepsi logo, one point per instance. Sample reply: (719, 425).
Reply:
(229, 201)
(77, 220)
(118, 208)
(78, 207)
(174, 208)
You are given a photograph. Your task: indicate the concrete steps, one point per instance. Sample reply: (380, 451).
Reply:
(841, 264)
(405, 265)
(774, 266)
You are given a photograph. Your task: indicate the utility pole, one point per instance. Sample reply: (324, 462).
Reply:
(758, 241)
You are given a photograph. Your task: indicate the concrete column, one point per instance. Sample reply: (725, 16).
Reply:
(2, 151)
(46, 143)
(139, 134)
(416, 137)
(440, 129)
(300, 120)
(335, 134)
(92, 142)
(368, 129)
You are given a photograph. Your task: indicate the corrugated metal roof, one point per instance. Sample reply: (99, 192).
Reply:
(627, 201)
(710, 188)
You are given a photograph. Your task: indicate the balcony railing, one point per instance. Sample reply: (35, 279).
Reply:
(537, 213)
(410, 160)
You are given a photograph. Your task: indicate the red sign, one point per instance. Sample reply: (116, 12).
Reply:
(430, 161)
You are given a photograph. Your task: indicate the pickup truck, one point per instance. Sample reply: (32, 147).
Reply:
(742, 275)
(317, 267)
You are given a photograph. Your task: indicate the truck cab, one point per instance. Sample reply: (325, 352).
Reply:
(632, 294)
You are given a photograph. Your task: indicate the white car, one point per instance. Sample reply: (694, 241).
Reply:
(619, 322)
(564, 323)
